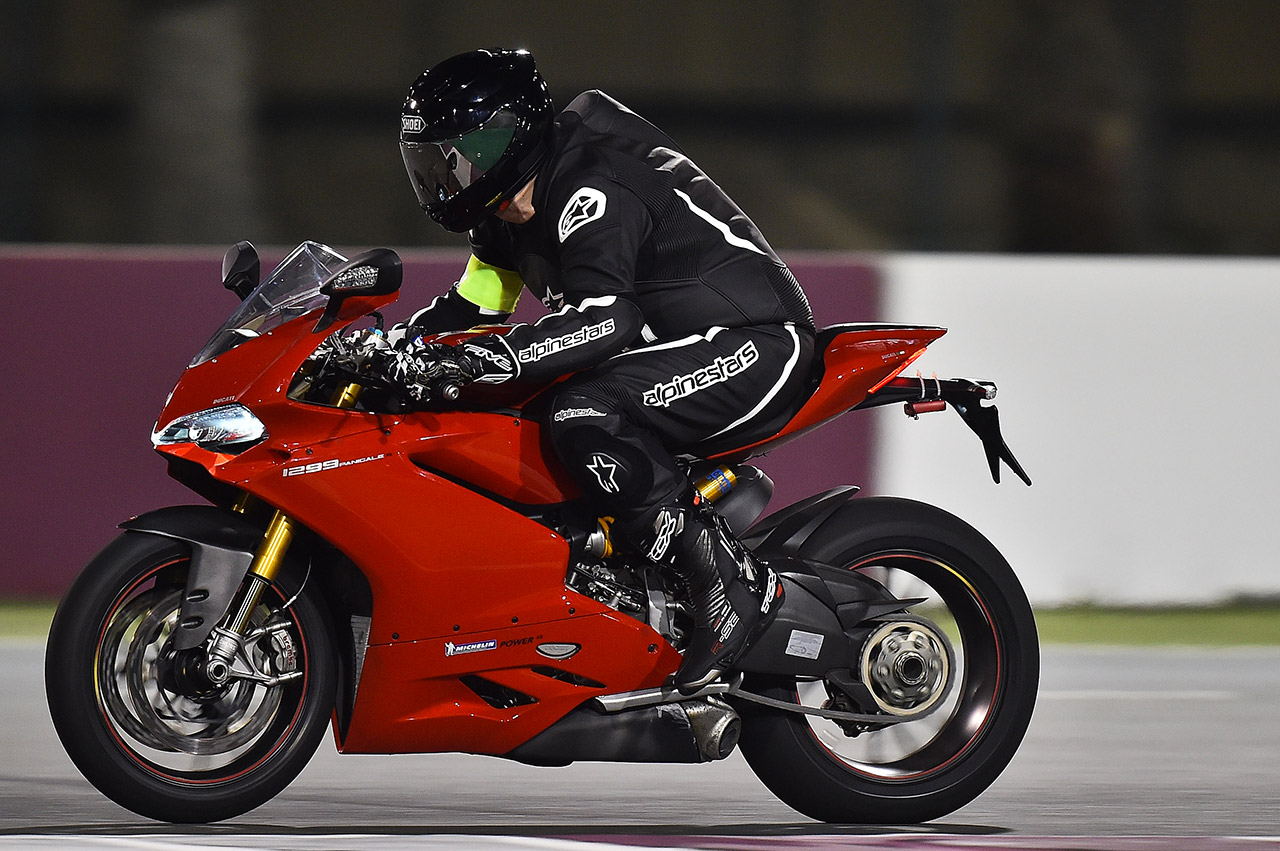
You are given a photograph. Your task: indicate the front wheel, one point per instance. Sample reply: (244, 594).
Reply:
(145, 727)
(916, 770)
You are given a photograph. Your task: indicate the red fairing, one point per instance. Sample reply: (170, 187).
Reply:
(855, 363)
(416, 502)
(432, 507)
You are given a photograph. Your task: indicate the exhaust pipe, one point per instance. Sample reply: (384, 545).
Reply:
(699, 730)
(715, 725)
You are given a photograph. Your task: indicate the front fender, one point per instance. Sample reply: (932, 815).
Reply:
(222, 548)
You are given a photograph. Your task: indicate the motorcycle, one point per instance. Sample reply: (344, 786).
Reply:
(422, 576)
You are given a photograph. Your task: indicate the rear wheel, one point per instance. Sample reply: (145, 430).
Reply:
(915, 770)
(142, 722)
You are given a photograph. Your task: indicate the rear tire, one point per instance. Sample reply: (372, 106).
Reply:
(124, 706)
(923, 769)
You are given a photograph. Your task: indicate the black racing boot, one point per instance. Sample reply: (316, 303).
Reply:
(733, 595)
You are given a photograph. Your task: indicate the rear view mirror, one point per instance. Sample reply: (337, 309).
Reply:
(376, 272)
(241, 269)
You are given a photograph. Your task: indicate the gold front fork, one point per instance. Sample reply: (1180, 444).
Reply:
(346, 397)
(266, 564)
(266, 561)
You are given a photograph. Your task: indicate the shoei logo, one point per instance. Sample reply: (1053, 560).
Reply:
(720, 370)
(586, 205)
(412, 124)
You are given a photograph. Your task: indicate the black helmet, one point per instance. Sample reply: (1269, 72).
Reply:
(473, 131)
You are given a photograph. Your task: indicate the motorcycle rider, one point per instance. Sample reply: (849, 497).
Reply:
(677, 318)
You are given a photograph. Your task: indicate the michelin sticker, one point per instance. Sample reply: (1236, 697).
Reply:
(451, 649)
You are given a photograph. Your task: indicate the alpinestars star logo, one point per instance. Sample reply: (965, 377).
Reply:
(606, 471)
(586, 205)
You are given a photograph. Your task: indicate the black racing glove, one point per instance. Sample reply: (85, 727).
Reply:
(437, 370)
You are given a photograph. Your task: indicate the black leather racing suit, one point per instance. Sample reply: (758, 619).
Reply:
(678, 318)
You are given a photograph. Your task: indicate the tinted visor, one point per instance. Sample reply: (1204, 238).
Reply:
(441, 170)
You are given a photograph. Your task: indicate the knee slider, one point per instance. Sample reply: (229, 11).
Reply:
(617, 472)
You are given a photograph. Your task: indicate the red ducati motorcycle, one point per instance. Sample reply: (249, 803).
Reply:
(423, 577)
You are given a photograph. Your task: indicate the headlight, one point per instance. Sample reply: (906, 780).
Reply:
(228, 428)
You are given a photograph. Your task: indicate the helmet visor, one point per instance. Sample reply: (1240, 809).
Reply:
(441, 170)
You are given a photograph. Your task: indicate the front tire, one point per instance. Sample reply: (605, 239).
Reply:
(922, 769)
(145, 731)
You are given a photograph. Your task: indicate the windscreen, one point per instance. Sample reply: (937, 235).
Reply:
(292, 290)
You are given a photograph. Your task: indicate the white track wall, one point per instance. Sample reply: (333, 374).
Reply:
(1140, 396)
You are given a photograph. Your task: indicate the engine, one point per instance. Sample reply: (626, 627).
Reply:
(639, 592)
(635, 587)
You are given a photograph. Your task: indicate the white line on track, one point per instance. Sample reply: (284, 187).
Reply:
(1113, 694)
(473, 842)
(329, 842)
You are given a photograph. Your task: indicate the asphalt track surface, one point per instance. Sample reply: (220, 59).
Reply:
(1130, 749)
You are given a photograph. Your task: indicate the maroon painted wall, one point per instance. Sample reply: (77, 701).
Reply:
(98, 336)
